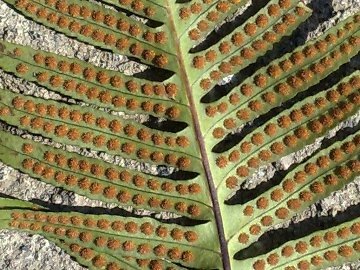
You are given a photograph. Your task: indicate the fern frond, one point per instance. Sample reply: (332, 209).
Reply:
(153, 10)
(243, 46)
(319, 250)
(327, 171)
(102, 27)
(6, 203)
(99, 180)
(80, 126)
(283, 78)
(118, 237)
(195, 20)
(289, 131)
(98, 86)
(191, 131)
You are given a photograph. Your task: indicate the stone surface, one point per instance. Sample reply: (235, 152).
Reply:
(20, 251)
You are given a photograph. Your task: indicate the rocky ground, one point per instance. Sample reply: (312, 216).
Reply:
(20, 251)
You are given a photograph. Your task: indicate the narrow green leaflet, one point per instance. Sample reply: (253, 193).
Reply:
(319, 250)
(102, 27)
(282, 79)
(327, 171)
(80, 126)
(196, 120)
(119, 236)
(99, 180)
(288, 132)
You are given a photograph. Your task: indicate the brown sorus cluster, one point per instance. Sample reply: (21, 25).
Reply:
(102, 77)
(301, 132)
(306, 196)
(101, 33)
(316, 241)
(237, 42)
(211, 16)
(109, 192)
(139, 6)
(29, 222)
(103, 224)
(287, 88)
(107, 97)
(101, 141)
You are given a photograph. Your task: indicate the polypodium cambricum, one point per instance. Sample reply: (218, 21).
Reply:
(194, 118)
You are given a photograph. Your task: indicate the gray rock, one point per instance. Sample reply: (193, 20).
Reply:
(23, 251)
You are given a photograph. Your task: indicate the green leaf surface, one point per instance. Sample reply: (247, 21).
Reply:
(154, 10)
(294, 128)
(121, 41)
(307, 183)
(127, 134)
(99, 180)
(121, 236)
(127, 93)
(319, 65)
(183, 123)
(332, 246)
(246, 42)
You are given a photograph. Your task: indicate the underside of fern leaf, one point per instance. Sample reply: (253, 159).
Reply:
(211, 133)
